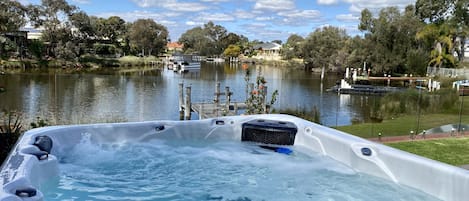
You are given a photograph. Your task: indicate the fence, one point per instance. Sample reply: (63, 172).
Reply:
(448, 72)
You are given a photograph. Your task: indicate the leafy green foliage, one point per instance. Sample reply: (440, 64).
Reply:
(39, 123)
(104, 49)
(209, 40)
(322, 46)
(389, 38)
(293, 47)
(148, 36)
(10, 131)
(232, 51)
(12, 15)
(413, 101)
(438, 37)
(37, 48)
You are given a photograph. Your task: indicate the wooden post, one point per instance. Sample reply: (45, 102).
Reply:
(217, 93)
(187, 111)
(201, 110)
(181, 101)
(181, 96)
(228, 97)
(235, 108)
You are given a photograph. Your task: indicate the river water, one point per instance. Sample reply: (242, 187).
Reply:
(141, 95)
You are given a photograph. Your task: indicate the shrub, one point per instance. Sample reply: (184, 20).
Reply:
(10, 131)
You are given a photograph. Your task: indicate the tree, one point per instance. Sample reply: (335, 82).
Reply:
(194, 40)
(210, 40)
(292, 48)
(148, 36)
(460, 21)
(54, 17)
(114, 29)
(322, 46)
(230, 39)
(389, 38)
(232, 51)
(215, 34)
(85, 30)
(277, 41)
(366, 21)
(453, 13)
(12, 16)
(439, 36)
(434, 11)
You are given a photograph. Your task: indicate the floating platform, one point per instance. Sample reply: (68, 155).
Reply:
(364, 89)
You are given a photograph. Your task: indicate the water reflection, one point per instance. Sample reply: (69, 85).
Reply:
(152, 94)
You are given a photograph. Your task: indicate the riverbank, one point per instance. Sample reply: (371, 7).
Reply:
(85, 61)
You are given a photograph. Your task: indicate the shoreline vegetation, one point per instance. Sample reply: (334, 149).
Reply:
(92, 62)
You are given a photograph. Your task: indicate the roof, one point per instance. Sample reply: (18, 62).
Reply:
(267, 46)
(174, 45)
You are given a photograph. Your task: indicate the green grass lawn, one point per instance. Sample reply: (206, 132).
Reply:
(453, 151)
(403, 125)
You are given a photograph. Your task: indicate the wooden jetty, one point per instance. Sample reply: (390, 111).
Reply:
(392, 78)
(208, 110)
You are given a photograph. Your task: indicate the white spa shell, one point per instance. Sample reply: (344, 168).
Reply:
(22, 170)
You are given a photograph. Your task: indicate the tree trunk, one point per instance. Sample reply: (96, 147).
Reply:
(463, 43)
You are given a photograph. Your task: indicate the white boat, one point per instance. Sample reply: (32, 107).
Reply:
(185, 66)
(35, 159)
(215, 60)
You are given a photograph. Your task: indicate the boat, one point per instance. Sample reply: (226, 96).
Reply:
(345, 88)
(215, 60)
(36, 157)
(185, 66)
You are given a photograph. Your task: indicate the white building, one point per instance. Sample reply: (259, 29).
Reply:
(268, 51)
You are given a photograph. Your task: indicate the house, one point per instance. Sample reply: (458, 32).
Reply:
(174, 47)
(20, 38)
(33, 33)
(268, 51)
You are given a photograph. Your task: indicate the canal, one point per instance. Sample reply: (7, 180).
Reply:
(142, 95)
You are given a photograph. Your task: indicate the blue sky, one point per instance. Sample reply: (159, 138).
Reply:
(264, 20)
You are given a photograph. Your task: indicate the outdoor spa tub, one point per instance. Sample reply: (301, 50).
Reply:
(259, 157)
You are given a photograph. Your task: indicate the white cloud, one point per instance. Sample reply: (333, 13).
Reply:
(132, 16)
(81, 1)
(192, 23)
(264, 18)
(241, 14)
(327, 2)
(214, 1)
(274, 5)
(172, 5)
(347, 18)
(215, 17)
(375, 5)
(300, 17)
(185, 7)
(301, 14)
(264, 32)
